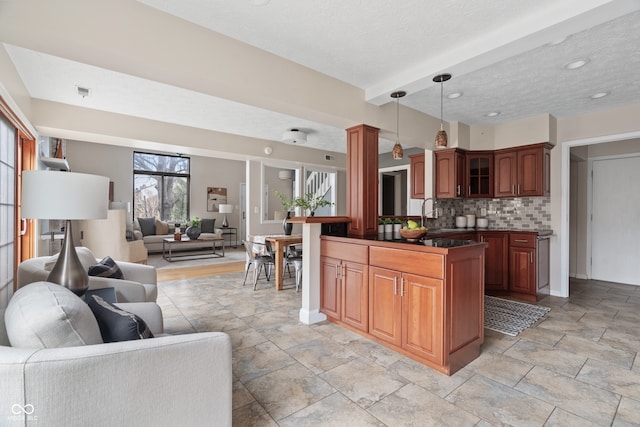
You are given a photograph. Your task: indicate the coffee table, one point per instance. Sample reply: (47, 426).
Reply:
(189, 246)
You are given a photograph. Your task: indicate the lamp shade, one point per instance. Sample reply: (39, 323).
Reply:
(226, 208)
(64, 195)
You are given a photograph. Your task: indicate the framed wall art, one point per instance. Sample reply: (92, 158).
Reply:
(216, 196)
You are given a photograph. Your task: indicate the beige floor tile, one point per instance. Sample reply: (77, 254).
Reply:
(541, 335)
(321, 354)
(628, 413)
(562, 418)
(245, 337)
(565, 362)
(596, 350)
(412, 406)
(500, 368)
(333, 411)
(497, 342)
(576, 397)
(252, 362)
(241, 396)
(288, 390)
(573, 328)
(289, 335)
(437, 383)
(611, 377)
(499, 404)
(252, 415)
(363, 381)
(222, 322)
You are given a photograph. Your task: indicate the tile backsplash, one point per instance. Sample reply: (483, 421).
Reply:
(521, 213)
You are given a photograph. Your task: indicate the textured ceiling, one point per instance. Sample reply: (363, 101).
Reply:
(499, 52)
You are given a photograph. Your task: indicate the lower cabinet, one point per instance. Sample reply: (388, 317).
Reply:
(496, 258)
(344, 290)
(406, 310)
(528, 265)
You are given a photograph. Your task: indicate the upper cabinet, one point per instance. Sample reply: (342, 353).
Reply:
(417, 176)
(510, 172)
(450, 173)
(479, 177)
(523, 171)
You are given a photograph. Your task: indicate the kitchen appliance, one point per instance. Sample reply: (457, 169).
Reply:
(461, 221)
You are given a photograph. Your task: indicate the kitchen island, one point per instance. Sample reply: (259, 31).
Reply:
(424, 299)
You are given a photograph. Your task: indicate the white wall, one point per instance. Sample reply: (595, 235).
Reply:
(116, 163)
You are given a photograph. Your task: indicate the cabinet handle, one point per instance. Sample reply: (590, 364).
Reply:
(531, 257)
(521, 241)
(513, 189)
(518, 188)
(337, 271)
(395, 286)
(402, 287)
(458, 190)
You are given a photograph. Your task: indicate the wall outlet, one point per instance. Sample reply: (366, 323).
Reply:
(453, 211)
(483, 211)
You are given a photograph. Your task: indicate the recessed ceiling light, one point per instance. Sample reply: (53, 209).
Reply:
(493, 114)
(576, 64)
(454, 95)
(557, 41)
(599, 95)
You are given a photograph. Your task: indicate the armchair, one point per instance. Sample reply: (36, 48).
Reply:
(140, 284)
(143, 382)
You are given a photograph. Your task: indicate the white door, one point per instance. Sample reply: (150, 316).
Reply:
(615, 225)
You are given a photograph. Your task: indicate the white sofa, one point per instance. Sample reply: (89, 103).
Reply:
(153, 240)
(140, 283)
(162, 381)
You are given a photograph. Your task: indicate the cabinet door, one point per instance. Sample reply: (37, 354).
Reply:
(522, 271)
(530, 172)
(506, 176)
(385, 305)
(479, 178)
(417, 176)
(422, 316)
(496, 256)
(355, 295)
(330, 293)
(449, 174)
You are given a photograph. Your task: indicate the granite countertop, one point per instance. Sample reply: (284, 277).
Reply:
(541, 232)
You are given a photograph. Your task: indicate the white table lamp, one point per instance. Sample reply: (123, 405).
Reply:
(65, 196)
(225, 209)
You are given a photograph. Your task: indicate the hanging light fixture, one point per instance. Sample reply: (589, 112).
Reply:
(397, 152)
(441, 136)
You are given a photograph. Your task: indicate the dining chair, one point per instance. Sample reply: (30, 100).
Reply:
(293, 256)
(260, 256)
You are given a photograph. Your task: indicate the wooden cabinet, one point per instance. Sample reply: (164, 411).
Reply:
(523, 171)
(528, 265)
(479, 174)
(417, 176)
(450, 173)
(496, 257)
(344, 290)
(406, 310)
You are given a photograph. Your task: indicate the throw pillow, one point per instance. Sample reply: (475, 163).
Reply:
(47, 315)
(106, 268)
(147, 226)
(162, 228)
(116, 324)
(207, 225)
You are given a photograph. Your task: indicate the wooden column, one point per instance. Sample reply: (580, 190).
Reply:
(362, 180)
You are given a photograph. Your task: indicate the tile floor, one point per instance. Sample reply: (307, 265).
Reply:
(579, 366)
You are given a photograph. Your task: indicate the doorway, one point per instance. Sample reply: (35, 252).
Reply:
(394, 192)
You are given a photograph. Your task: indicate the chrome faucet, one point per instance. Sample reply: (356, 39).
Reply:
(434, 210)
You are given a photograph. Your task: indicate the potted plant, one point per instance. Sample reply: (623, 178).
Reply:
(193, 231)
(397, 225)
(380, 228)
(287, 204)
(310, 203)
(388, 229)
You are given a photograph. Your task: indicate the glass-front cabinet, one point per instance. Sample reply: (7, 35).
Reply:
(479, 174)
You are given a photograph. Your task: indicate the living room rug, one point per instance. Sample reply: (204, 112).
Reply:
(510, 317)
(230, 255)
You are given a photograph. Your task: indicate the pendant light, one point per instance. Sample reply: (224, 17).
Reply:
(441, 136)
(397, 153)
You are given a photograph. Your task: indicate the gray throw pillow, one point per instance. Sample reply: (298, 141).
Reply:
(147, 226)
(117, 324)
(207, 225)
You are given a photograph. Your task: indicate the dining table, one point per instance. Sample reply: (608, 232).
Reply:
(279, 244)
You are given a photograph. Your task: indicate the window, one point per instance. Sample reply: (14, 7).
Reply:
(7, 207)
(161, 186)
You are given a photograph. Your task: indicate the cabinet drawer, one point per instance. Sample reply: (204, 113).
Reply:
(523, 240)
(423, 264)
(345, 251)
